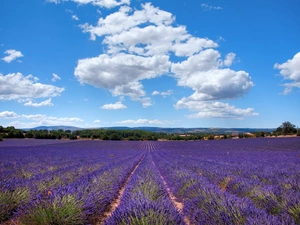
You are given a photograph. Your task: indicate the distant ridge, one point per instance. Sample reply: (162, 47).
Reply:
(71, 128)
(178, 130)
(181, 130)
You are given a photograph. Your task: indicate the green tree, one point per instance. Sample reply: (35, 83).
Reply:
(260, 134)
(241, 135)
(286, 128)
(115, 137)
(105, 137)
(73, 137)
(211, 137)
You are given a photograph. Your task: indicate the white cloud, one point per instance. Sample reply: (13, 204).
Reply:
(121, 73)
(97, 121)
(126, 31)
(55, 77)
(33, 120)
(210, 7)
(153, 39)
(54, 1)
(101, 3)
(140, 121)
(16, 86)
(229, 59)
(44, 103)
(139, 43)
(146, 102)
(50, 119)
(290, 70)
(203, 74)
(133, 89)
(192, 45)
(164, 94)
(110, 72)
(115, 106)
(121, 21)
(290, 86)
(12, 55)
(8, 115)
(74, 17)
(210, 109)
(221, 39)
(155, 93)
(20, 124)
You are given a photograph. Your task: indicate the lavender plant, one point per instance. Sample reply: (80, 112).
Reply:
(145, 200)
(249, 181)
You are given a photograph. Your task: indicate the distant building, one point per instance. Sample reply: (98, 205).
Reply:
(219, 137)
(184, 135)
(250, 134)
(235, 135)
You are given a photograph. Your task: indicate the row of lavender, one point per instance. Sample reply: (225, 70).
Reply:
(234, 181)
(218, 182)
(63, 183)
(145, 199)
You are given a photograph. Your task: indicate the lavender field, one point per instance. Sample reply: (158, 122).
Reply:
(244, 181)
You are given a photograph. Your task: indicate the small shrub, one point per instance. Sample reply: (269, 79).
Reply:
(64, 210)
(211, 137)
(11, 200)
(73, 137)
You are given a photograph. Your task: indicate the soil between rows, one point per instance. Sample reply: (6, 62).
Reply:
(116, 202)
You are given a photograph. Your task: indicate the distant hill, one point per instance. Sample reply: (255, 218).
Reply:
(195, 130)
(71, 128)
(164, 130)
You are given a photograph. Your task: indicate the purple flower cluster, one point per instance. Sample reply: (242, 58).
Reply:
(253, 181)
(80, 177)
(145, 199)
(249, 181)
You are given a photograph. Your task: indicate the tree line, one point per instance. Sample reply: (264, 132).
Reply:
(104, 134)
(286, 128)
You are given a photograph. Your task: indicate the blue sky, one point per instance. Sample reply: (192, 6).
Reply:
(192, 63)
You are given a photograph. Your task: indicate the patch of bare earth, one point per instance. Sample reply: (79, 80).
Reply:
(116, 202)
(11, 222)
(177, 204)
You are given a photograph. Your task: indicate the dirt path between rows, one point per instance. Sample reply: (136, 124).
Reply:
(177, 204)
(116, 202)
